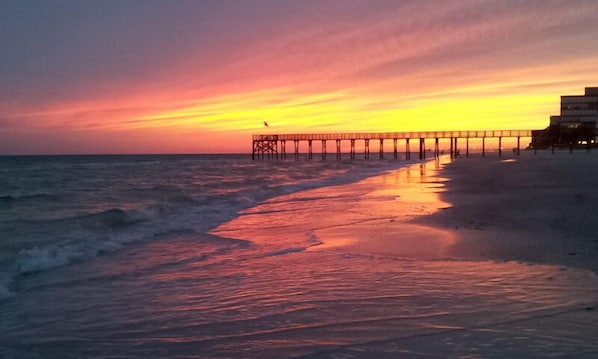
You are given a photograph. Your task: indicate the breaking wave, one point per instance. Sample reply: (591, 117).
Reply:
(91, 209)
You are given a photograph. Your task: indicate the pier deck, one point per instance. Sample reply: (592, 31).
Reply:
(273, 146)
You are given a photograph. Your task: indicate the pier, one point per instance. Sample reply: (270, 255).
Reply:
(274, 146)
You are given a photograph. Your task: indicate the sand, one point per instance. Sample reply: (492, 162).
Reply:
(382, 218)
(444, 256)
(533, 208)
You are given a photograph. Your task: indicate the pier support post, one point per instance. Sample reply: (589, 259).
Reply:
(352, 148)
(283, 149)
(452, 148)
(366, 149)
(407, 150)
(467, 147)
(483, 146)
(395, 153)
(338, 149)
(456, 147)
(381, 148)
(310, 151)
(436, 148)
(296, 142)
(422, 148)
(265, 148)
(323, 149)
(500, 147)
(518, 145)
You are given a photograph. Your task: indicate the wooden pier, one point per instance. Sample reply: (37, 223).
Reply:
(274, 146)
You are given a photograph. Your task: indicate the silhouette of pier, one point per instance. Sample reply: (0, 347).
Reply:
(274, 146)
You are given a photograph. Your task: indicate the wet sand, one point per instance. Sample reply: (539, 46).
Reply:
(536, 209)
(391, 205)
(372, 216)
(431, 261)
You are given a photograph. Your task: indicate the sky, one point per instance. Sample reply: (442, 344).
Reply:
(202, 76)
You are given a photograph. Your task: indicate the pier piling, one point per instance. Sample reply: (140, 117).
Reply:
(466, 147)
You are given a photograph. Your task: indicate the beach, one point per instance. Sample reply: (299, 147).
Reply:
(519, 225)
(313, 179)
(381, 259)
(533, 208)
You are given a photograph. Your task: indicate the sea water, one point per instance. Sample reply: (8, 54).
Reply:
(56, 210)
(224, 257)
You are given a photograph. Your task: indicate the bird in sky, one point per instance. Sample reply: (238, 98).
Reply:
(266, 124)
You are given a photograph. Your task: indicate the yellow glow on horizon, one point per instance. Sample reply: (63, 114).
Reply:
(223, 120)
(346, 111)
(485, 113)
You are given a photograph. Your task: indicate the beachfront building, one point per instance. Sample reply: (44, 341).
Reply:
(576, 126)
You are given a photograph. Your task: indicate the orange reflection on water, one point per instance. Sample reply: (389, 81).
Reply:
(388, 207)
(373, 215)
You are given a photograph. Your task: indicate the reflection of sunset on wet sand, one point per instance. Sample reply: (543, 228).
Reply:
(372, 215)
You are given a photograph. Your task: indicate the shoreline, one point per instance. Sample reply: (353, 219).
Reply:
(533, 209)
(385, 216)
(530, 209)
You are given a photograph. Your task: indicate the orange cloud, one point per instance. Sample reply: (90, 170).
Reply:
(384, 66)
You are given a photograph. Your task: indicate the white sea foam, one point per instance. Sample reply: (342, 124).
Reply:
(4, 291)
(38, 259)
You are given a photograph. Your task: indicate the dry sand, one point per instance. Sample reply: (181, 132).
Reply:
(533, 208)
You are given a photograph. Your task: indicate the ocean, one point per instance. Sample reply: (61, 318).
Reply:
(219, 256)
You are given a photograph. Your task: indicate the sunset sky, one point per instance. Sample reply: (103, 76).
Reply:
(146, 76)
